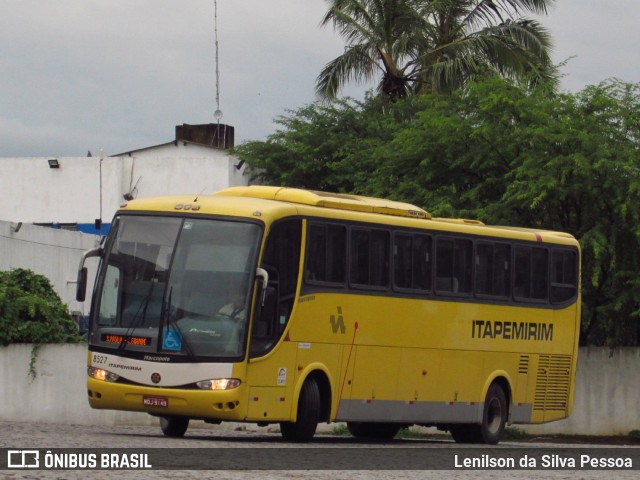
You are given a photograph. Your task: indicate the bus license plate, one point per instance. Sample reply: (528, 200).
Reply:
(155, 402)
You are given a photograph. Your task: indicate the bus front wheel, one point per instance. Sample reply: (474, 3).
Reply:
(174, 427)
(304, 428)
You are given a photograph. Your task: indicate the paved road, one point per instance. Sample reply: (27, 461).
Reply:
(34, 435)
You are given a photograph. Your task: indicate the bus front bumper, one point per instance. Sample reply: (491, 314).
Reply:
(223, 405)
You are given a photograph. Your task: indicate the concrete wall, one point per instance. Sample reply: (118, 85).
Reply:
(58, 394)
(607, 396)
(606, 403)
(53, 253)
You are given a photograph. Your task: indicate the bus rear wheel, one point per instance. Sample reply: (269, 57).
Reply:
(378, 431)
(304, 428)
(494, 420)
(174, 427)
(494, 417)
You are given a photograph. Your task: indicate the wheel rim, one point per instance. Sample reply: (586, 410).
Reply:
(494, 416)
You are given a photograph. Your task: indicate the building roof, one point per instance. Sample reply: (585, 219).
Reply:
(210, 135)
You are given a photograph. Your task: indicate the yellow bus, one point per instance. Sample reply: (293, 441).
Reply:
(277, 305)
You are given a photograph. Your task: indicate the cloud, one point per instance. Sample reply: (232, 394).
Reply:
(125, 72)
(120, 74)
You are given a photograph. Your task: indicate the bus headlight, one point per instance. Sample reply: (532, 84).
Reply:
(100, 374)
(219, 384)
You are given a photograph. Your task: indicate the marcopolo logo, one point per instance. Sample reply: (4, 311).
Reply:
(23, 459)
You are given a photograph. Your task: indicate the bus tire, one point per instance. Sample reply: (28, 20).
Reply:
(304, 428)
(465, 433)
(377, 431)
(494, 420)
(494, 416)
(174, 427)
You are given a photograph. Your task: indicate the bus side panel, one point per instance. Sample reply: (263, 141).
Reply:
(271, 381)
(322, 359)
(276, 379)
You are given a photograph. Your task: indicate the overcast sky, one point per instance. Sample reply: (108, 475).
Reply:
(79, 75)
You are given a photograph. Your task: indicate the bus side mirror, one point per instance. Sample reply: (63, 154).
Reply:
(81, 285)
(262, 274)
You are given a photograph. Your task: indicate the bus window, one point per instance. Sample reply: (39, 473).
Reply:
(453, 265)
(369, 258)
(563, 275)
(531, 273)
(493, 269)
(109, 300)
(412, 262)
(326, 254)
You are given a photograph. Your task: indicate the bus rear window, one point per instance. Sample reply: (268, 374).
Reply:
(564, 275)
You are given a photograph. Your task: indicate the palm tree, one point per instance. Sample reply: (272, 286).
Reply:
(435, 45)
(465, 38)
(380, 40)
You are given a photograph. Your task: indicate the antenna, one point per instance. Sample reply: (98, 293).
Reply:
(218, 113)
(195, 200)
(131, 194)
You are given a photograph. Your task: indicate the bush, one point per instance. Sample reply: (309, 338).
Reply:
(32, 312)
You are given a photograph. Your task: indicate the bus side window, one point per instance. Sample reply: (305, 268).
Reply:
(412, 262)
(326, 254)
(531, 277)
(493, 269)
(453, 265)
(402, 261)
(369, 262)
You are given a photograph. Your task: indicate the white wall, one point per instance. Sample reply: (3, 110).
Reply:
(58, 394)
(607, 391)
(33, 192)
(607, 394)
(53, 253)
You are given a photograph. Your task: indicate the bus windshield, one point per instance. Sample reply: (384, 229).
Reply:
(175, 286)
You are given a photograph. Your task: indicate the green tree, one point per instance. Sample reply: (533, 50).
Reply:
(315, 146)
(434, 45)
(31, 311)
(537, 159)
(497, 152)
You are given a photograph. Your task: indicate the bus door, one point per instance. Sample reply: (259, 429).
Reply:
(270, 372)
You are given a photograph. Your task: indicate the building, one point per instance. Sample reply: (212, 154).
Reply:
(83, 193)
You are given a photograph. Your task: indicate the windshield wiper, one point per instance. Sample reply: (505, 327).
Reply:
(174, 325)
(138, 318)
